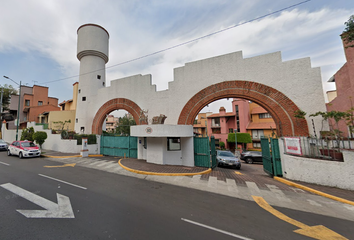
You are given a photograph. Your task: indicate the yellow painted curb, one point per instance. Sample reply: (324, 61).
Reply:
(314, 191)
(162, 174)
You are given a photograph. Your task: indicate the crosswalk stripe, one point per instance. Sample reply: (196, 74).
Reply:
(213, 181)
(231, 185)
(314, 203)
(253, 188)
(278, 193)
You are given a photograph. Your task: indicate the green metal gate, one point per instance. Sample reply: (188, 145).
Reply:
(271, 156)
(119, 146)
(204, 154)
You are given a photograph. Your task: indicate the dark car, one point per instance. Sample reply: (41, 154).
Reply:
(226, 158)
(3, 145)
(251, 156)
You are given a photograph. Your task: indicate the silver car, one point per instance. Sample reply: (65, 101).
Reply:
(226, 158)
(3, 145)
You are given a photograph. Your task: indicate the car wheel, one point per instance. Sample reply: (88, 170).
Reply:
(238, 168)
(20, 155)
(249, 160)
(8, 153)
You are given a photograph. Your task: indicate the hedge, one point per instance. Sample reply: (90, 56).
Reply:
(91, 138)
(241, 138)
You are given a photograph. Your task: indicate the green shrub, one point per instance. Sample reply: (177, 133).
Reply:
(27, 134)
(91, 138)
(40, 137)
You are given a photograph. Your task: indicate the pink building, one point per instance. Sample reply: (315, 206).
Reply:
(344, 80)
(223, 123)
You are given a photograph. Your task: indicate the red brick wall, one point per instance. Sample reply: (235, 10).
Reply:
(276, 103)
(111, 105)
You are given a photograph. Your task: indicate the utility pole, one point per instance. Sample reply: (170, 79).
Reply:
(18, 111)
(2, 93)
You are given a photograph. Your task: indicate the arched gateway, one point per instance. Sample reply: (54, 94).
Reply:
(276, 103)
(111, 105)
(280, 87)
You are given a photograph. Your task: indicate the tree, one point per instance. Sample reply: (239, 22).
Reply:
(348, 33)
(40, 137)
(8, 91)
(124, 124)
(27, 134)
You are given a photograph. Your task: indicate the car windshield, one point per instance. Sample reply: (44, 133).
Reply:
(28, 144)
(226, 154)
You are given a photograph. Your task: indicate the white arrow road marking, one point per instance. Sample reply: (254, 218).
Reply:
(61, 210)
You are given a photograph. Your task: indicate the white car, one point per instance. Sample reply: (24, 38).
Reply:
(23, 149)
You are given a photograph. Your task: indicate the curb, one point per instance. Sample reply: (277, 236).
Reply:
(313, 191)
(162, 174)
(72, 156)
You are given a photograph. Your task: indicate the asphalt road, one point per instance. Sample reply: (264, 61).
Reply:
(112, 206)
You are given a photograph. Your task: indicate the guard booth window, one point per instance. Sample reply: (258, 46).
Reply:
(174, 144)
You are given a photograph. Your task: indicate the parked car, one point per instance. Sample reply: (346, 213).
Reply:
(3, 145)
(24, 149)
(251, 156)
(226, 158)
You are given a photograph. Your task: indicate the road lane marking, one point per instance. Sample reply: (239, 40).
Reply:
(65, 165)
(62, 209)
(62, 181)
(317, 232)
(5, 163)
(216, 229)
(238, 173)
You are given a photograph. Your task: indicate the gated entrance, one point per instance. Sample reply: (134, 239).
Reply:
(204, 154)
(119, 146)
(271, 156)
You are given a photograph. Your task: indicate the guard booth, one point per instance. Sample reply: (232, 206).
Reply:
(271, 156)
(165, 144)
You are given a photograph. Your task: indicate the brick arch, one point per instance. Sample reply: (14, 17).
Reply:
(111, 105)
(276, 103)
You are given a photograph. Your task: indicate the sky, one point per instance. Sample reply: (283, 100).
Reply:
(38, 38)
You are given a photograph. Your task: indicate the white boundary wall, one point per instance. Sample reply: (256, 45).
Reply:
(53, 141)
(321, 172)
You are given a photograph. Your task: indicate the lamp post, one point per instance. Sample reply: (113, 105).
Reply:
(235, 142)
(18, 110)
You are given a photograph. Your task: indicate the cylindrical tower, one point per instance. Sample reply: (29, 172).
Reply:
(92, 52)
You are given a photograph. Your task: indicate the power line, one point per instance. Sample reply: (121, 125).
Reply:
(184, 43)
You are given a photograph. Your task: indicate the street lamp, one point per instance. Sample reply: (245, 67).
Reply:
(18, 110)
(235, 142)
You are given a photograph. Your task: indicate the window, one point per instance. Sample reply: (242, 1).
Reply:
(145, 143)
(257, 134)
(79, 90)
(40, 103)
(265, 115)
(82, 129)
(216, 130)
(257, 145)
(27, 102)
(215, 122)
(98, 76)
(77, 120)
(103, 84)
(231, 130)
(83, 99)
(174, 144)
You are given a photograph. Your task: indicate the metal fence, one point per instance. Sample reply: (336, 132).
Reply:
(321, 148)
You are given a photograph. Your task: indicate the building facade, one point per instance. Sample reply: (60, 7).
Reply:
(246, 117)
(200, 126)
(343, 99)
(34, 102)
